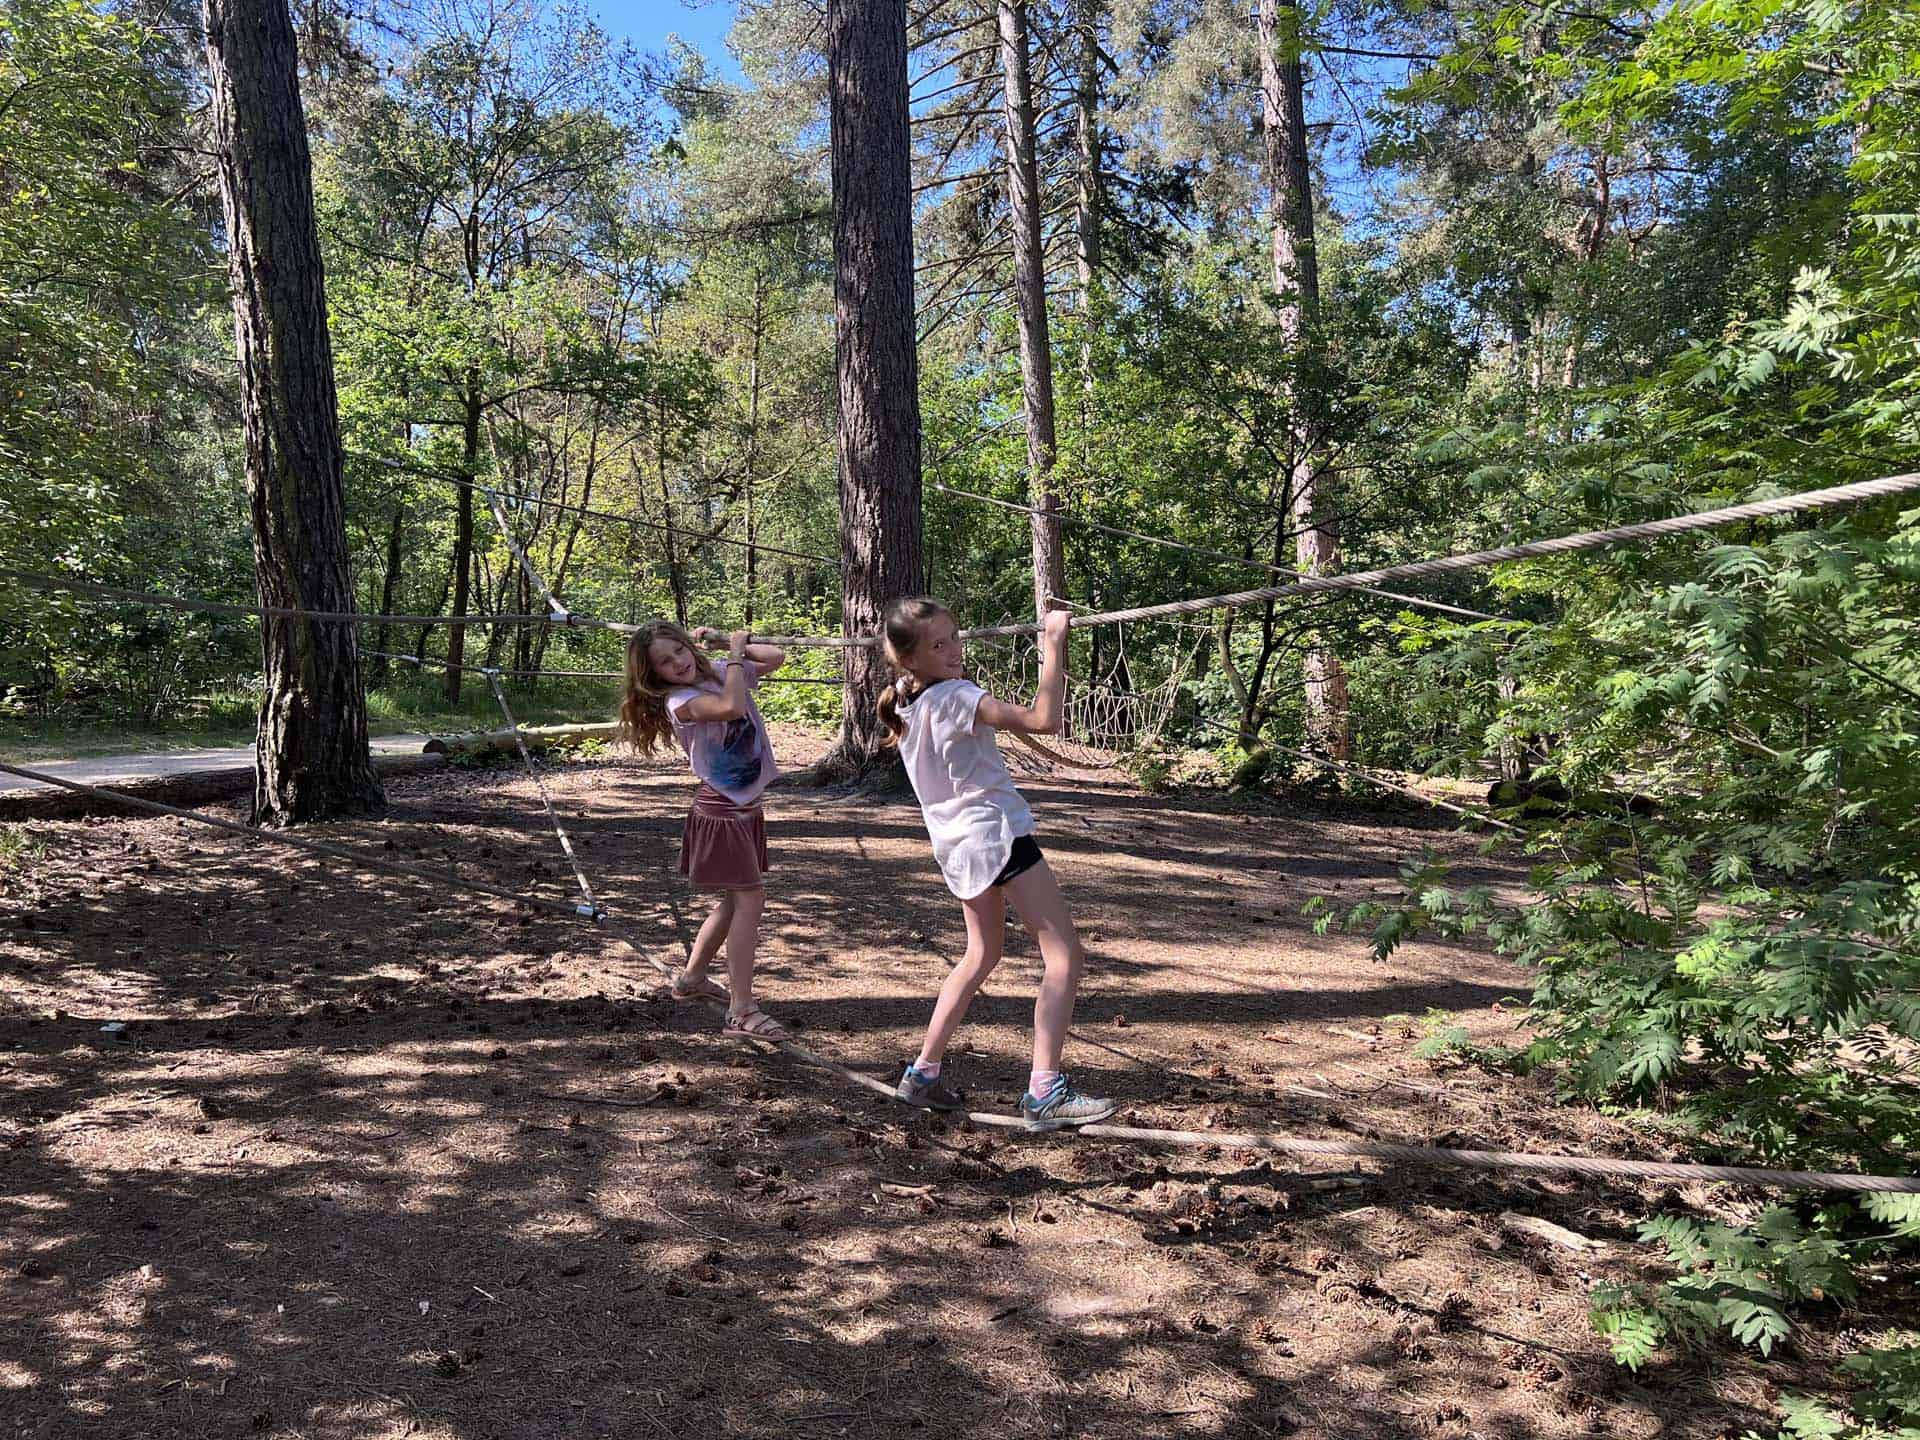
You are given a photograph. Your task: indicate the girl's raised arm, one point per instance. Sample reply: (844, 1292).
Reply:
(1048, 710)
(731, 702)
(766, 658)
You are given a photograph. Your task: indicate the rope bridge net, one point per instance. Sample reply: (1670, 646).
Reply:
(1109, 717)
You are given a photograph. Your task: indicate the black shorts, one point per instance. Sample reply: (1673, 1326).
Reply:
(1026, 854)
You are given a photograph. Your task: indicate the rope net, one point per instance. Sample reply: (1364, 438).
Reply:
(1109, 718)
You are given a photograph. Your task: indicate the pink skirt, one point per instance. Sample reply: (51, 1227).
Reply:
(724, 846)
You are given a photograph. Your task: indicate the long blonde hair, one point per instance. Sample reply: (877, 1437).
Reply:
(906, 620)
(643, 705)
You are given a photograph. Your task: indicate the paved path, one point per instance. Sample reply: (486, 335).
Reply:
(118, 769)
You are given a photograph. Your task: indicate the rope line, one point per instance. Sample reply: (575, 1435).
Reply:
(448, 477)
(1481, 559)
(1307, 585)
(1066, 518)
(422, 663)
(56, 584)
(437, 879)
(1422, 1156)
(1414, 1155)
(546, 799)
(560, 612)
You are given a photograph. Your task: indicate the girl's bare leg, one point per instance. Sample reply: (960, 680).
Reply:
(1036, 896)
(986, 942)
(713, 934)
(743, 938)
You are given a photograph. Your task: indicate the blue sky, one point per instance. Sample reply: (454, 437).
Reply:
(648, 23)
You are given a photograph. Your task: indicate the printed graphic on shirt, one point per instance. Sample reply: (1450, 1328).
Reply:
(737, 765)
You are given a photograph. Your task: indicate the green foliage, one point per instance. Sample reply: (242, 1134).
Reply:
(106, 274)
(1741, 953)
(1736, 1279)
(1440, 1036)
(20, 846)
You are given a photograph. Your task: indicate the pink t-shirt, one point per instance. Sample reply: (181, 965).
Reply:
(733, 756)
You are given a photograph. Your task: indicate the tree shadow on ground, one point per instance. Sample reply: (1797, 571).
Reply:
(378, 1161)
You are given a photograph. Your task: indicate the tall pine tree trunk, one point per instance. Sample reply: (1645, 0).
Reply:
(1296, 276)
(311, 756)
(1030, 286)
(1090, 196)
(878, 368)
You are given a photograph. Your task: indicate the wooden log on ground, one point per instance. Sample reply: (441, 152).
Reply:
(537, 737)
(185, 788)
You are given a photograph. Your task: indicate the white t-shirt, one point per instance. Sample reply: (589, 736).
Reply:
(733, 756)
(973, 812)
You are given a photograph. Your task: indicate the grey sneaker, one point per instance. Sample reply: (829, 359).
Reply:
(917, 1090)
(1063, 1106)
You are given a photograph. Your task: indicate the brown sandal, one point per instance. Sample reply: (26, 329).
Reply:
(702, 989)
(754, 1024)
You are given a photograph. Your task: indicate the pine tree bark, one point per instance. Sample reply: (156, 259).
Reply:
(1090, 196)
(311, 756)
(1030, 288)
(879, 371)
(1296, 277)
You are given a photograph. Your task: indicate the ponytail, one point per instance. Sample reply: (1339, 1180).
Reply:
(901, 692)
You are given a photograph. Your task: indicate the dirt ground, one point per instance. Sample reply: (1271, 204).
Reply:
(372, 1161)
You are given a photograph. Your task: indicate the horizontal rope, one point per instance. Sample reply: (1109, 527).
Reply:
(1067, 518)
(463, 482)
(1310, 585)
(438, 879)
(1423, 1156)
(1480, 559)
(65, 586)
(419, 662)
(436, 663)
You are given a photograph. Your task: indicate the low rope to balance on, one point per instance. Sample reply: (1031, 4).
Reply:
(439, 880)
(546, 798)
(1422, 1156)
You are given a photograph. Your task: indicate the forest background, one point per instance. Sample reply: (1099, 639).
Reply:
(1548, 266)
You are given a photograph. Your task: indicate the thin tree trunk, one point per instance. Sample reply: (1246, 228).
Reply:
(1030, 287)
(675, 579)
(311, 756)
(389, 588)
(1296, 276)
(753, 435)
(463, 535)
(875, 359)
(1090, 196)
(1598, 230)
(426, 631)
